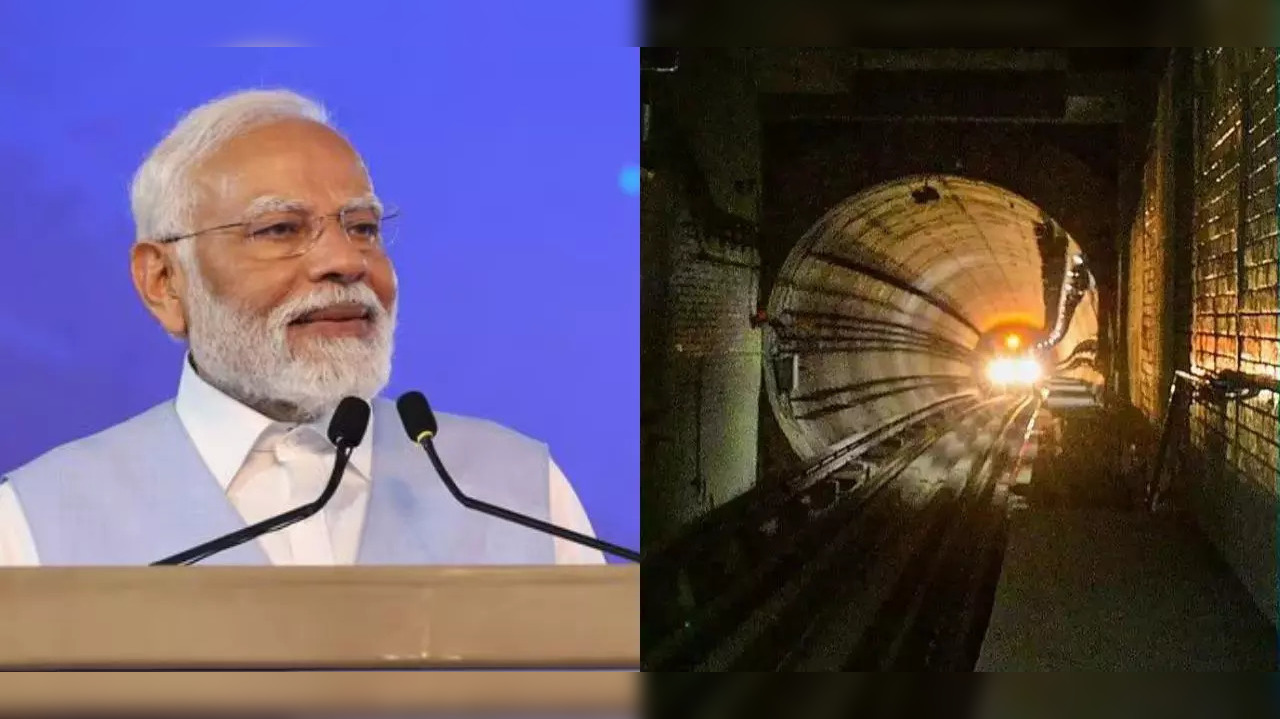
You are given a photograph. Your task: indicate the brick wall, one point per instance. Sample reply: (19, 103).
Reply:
(1233, 309)
(1229, 466)
(713, 290)
(700, 381)
(1148, 268)
(1234, 285)
(703, 427)
(1258, 287)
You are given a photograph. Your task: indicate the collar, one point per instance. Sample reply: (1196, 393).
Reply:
(224, 431)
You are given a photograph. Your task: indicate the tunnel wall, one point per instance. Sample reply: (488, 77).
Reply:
(1230, 319)
(700, 355)
(1150, 272)
(700, 428)
(1234, 293)
(809, 167)
(884, 298)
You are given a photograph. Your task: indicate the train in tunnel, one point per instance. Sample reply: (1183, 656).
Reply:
(855, 292)
(1013, 360)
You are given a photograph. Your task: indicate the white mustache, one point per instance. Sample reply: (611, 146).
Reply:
(328, 296)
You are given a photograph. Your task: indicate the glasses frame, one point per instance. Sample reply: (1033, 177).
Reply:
(389, 212)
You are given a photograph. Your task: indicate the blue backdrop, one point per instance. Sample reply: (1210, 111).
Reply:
(517, 249)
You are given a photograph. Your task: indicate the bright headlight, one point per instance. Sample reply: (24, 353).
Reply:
(1028, 371)
(1001, 371)
(1008, 370)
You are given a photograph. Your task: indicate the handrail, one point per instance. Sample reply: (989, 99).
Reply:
(1185, 387)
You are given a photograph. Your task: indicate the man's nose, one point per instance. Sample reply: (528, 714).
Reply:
(335, 258)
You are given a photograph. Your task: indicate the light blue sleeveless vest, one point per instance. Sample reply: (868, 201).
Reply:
(139, 491)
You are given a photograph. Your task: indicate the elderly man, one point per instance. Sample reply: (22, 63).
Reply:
(261, 243)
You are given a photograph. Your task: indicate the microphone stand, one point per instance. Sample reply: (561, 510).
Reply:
(520, 519)
(270, 524)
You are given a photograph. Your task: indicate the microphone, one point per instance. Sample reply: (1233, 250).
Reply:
(346, 431)
(420, 424)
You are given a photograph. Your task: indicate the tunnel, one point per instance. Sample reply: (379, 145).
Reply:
(879, 308)
(958, 360)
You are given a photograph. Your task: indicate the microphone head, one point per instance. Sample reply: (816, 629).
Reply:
(416, 416)
(350, 420)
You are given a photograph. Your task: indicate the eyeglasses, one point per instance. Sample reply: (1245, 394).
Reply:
(291, 233)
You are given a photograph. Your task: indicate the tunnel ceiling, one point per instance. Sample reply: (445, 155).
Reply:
(881, 302)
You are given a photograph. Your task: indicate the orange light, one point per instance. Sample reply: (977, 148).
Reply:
(1012, 342)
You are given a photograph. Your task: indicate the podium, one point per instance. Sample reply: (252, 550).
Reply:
(441, 638)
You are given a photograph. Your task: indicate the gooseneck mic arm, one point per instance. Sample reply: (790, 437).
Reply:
(420, 423)
(346, 431)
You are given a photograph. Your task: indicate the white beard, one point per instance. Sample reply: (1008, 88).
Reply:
(249, 357)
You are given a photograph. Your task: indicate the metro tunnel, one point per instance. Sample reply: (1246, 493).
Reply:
(958, 360)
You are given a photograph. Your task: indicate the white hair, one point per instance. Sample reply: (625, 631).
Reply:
(162, 195)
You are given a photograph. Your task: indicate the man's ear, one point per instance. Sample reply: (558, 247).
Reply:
(160, 283)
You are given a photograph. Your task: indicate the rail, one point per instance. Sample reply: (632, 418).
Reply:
(936, 617)
(769, 603)
(763, 502)
(685, 583)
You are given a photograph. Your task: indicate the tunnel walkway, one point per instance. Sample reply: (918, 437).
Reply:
(1105, 590)
(1091, 583)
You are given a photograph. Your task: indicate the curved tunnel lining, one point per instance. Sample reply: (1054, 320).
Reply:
(941, 271)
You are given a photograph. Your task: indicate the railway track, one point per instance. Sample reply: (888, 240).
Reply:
(896, 576)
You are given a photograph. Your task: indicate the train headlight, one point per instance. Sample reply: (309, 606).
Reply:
(1014, 370)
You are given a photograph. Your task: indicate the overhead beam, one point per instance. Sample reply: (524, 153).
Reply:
(960, 58)
(1099, 109)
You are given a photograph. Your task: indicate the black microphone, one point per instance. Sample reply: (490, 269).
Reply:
(346, 431)
(420, 423)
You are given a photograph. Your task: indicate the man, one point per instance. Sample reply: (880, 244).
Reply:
(261, 244)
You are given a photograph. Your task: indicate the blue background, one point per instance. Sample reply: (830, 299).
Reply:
(517, 250)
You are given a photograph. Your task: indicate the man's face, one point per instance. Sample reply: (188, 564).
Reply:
(293, 334)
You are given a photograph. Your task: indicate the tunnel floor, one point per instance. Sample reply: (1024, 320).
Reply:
(946, 562)
(1090, 583)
